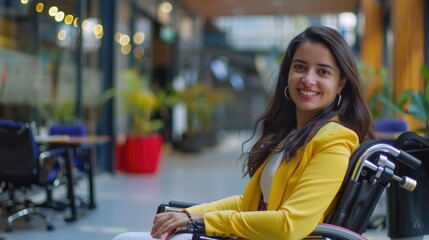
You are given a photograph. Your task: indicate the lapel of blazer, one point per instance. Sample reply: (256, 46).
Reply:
(252, 192)
(284, 180)
(278, 187)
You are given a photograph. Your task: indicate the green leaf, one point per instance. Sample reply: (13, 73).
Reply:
(425, 73)
(404, 98)
(416, 106)
(393, 108)
(427, 92)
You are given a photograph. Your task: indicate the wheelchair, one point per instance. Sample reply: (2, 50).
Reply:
(371, 170)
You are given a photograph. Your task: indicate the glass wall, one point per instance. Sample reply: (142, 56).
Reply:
(133, 50)
(161, 43)
(49, 61)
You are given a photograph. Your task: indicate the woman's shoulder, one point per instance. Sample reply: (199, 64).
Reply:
(335, 130)
(334, 135)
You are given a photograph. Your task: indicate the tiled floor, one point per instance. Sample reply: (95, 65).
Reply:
(128, 202)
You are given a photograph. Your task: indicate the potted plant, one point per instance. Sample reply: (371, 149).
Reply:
(201, 101)
(382, 94)
(58, 112)
(415, 103)
(142, 149)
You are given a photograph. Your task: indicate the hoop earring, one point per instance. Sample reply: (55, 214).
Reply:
(339, 100)
(285, 92)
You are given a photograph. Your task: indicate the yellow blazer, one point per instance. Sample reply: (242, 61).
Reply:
(303, 192)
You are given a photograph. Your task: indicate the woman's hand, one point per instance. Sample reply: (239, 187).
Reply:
(170, 221)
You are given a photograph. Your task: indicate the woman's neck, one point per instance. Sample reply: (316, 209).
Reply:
(302, 118)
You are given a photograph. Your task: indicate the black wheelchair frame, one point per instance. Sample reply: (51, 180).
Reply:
(371, 170)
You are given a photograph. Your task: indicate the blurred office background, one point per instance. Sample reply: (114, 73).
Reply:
(72, 61)
(57, 58)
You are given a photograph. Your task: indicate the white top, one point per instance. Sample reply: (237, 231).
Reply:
(267, 175)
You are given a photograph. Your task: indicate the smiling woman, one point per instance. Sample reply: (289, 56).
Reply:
(303, 144)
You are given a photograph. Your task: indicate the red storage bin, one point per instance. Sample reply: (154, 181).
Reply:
(120, 157)
(143, 153)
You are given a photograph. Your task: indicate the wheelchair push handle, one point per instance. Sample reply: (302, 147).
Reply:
(408, 160)
(381, 149)
(400, 155)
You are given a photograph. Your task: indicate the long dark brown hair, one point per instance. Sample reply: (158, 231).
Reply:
(279, 120)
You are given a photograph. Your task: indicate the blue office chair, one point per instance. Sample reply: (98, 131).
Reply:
(78, 129)
(23, 166)
(390, 125)
(81, 155)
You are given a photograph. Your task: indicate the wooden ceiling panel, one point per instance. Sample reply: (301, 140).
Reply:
(214, 8)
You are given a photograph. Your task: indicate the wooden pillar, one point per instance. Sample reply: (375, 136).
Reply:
(408, 47)
(372, 42)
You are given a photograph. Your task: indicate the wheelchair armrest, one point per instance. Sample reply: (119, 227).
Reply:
(174, 206)
(336, 232)
(180, 204)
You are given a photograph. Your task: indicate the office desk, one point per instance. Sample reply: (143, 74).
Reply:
(70, 142)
